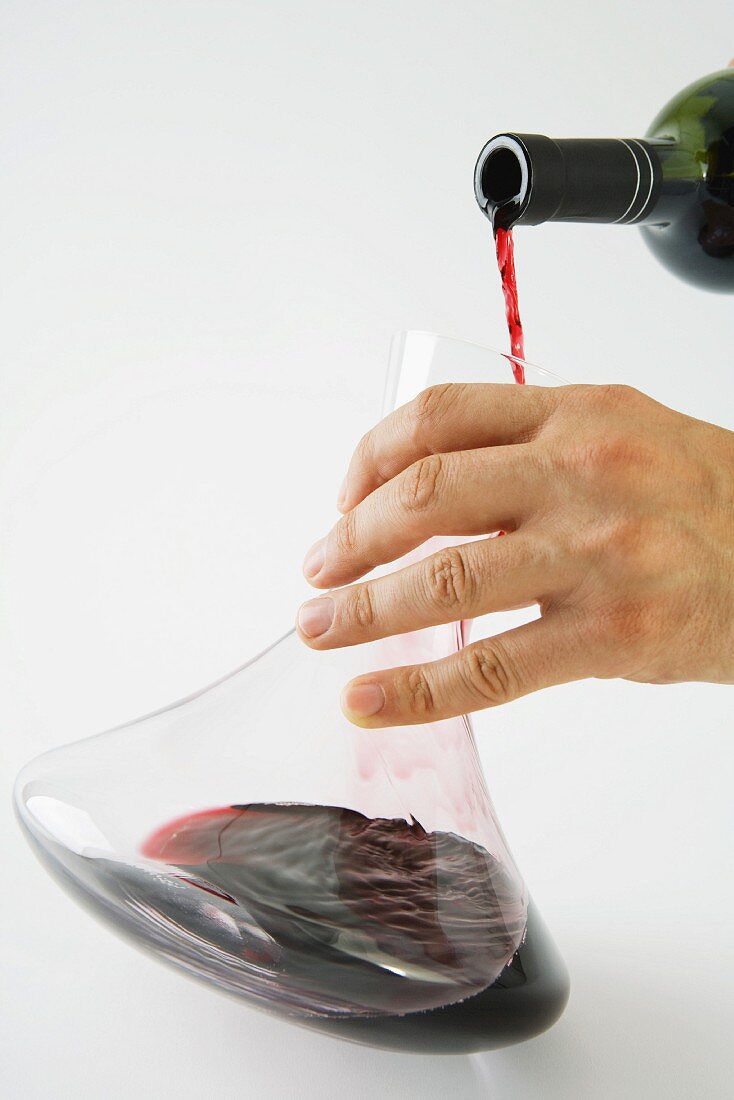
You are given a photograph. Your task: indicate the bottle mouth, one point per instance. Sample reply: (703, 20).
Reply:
(528, 179)
(502, 180)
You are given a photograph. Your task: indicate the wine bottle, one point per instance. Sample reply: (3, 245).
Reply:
(676, 183)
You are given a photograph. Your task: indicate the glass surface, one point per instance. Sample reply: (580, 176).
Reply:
(354, 881)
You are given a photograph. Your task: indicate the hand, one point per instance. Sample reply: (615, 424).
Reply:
(619, 516)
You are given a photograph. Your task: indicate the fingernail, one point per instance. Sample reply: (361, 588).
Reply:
(316, 616)
(314, 559)
(342, 497)
(363, 700)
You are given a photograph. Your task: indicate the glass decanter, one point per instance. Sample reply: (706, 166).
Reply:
(353, 881)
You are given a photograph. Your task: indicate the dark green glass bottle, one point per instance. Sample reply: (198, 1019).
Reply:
(677, 183)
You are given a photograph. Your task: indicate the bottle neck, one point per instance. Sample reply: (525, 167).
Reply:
(526, 179)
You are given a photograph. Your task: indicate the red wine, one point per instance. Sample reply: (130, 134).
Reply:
(676, 183)
(369, 929)
(505, 247)
(406, 938)
(375, 914)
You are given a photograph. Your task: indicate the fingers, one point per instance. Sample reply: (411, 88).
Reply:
(465, 493)
(459, 582)
(486, 674)
(452, 417)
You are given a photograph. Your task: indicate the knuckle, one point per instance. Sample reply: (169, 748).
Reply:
(601, 417)
(362, 609)
(613, 456)
(345, 535)
(605, 397)
(624, 624)
(614, 395)
(488, 674)
(430, 406)
(622, 452)
(450, 581)
(364, 450)
(416, 692)
(420, 483)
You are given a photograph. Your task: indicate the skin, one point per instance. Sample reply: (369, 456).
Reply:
(619, 521)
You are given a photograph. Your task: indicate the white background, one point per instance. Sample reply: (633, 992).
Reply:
(214, 216)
